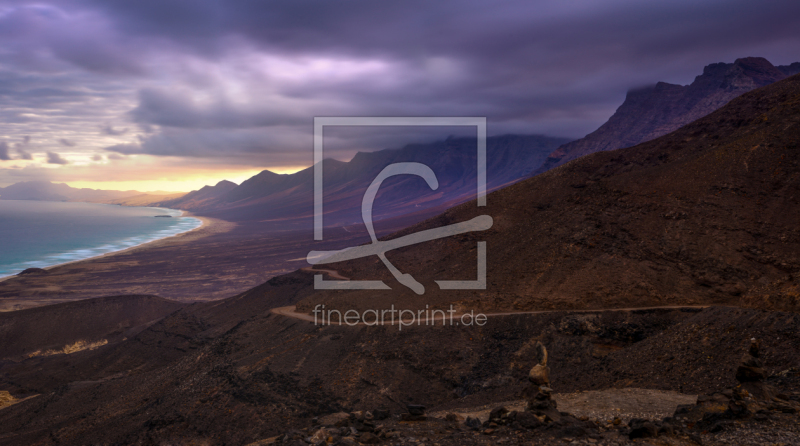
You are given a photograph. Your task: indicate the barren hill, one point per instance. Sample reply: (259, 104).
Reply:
(55, 328)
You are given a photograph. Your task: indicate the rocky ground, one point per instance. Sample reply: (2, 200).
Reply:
(755, 412)
(232, 372)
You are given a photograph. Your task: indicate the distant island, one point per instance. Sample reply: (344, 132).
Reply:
(163, 216)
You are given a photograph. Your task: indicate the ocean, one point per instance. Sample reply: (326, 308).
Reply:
(38, 234)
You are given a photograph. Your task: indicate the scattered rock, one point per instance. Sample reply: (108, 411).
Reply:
(473, 423)
(339, 419)
(528, 420)
(368, 438)
(751, 369)
(539, 375)
(497, 414)
(415, 409)
(416, 412)
(452, 417)
(320, 436)
(381, 414)
(642, 429)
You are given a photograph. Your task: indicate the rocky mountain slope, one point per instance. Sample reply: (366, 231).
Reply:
(36, 331)
(706, 214)
(650, 112)
(289, 198)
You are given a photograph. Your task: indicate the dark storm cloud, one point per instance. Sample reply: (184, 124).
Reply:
(4, 156)
(245, 78)
(527, 66)
(108, 129)
(176, 109)
(54, 158)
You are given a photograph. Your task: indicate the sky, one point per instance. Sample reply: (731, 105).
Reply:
(172, 95)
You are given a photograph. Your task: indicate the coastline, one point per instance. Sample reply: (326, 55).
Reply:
(204, 223)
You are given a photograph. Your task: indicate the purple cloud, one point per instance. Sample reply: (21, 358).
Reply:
(4, 156)
(243, 80)
(54, 158)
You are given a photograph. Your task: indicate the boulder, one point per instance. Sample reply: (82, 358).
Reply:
(751, 369)
(473, 423)
(415, 409)
(381, 414)
(528, 420)
(497, 414)
(642, 429)
(539, 375)
(541, 354)
(750, 374)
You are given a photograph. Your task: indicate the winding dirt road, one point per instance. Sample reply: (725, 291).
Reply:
(455, 318)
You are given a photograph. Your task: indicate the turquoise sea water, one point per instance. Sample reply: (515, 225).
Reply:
(37, 234)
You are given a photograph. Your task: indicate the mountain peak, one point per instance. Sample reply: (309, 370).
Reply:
(650, 112)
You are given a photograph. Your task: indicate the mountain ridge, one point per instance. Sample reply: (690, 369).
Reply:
(268, 196)
(48, 191)
(654, 111)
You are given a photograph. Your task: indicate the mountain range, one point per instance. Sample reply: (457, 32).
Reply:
(288, 198)
(48, 191)
(650, 112)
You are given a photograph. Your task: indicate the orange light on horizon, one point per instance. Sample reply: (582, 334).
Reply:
(185, 184)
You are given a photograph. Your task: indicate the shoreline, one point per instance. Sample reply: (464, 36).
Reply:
(204, 223)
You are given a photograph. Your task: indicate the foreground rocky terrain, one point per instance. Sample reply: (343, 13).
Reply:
(233, 372)
(754, 412)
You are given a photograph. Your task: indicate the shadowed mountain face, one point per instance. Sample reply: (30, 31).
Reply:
(651, 112)
(706, 214)
(198, 199)
(47, 191)
(288, 199)
(790, 70)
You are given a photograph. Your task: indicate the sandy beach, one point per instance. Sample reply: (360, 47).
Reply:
(219, 259)
(204, 221)
(61, 282)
